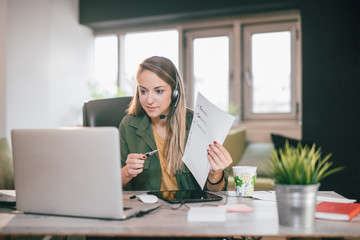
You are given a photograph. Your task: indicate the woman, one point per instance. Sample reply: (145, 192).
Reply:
(158, 119)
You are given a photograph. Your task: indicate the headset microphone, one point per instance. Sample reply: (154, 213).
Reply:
(162, 116)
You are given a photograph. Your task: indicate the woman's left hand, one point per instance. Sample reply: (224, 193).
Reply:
(219, 159)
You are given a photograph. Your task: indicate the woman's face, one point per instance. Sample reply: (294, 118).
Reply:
(154, 94)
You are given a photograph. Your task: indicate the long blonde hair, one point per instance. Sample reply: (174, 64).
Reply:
(176, 119)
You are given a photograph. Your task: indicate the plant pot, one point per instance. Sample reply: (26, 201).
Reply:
(296, 204)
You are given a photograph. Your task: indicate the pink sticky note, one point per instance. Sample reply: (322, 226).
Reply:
(237, 208)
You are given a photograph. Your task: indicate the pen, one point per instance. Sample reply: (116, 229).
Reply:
(151, 153)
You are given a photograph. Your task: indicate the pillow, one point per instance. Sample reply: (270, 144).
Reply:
(279, 141)
(6, 165)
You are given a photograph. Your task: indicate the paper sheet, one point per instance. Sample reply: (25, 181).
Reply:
(209, 124)
(271, 196)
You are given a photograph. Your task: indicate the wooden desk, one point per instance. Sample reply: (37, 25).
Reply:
(263, 221)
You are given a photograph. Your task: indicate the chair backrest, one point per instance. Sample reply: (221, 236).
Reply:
(105, 112)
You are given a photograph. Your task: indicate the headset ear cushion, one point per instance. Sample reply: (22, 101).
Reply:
(175, 97)
(175, 94)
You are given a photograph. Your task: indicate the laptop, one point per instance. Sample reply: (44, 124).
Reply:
(72, 172)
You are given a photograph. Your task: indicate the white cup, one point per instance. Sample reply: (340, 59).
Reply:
(244, 177)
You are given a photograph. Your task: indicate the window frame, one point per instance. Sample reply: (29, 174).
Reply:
(248, 31)
(189, 36)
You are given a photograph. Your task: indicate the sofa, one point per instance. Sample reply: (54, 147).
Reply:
(6, 165)
(242, 152)
(246, 153)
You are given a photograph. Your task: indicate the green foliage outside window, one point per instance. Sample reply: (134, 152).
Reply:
(96, 94)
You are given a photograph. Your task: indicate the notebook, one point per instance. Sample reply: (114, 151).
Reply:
(71, 172)
(337, 211)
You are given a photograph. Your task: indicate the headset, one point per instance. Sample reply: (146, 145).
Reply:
(175, 93)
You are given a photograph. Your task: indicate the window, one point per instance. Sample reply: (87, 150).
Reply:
(106, 67)
(139, 46)
(269, 66)
(116, 68)
(247, 65)
(209, 59)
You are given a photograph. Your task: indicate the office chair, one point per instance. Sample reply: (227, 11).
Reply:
(105, 112)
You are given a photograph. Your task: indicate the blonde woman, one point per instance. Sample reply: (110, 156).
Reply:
(158, 119)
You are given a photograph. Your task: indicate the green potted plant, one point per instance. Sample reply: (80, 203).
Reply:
(297, 173)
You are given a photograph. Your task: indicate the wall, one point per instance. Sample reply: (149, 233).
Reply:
(28, 64)
(49, 62)
(331, 64)
(2, 67)
(331, 87)
(71, 64)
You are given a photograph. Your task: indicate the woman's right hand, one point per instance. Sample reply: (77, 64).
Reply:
(134, 164)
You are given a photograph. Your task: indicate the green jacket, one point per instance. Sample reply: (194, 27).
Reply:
(136, 136)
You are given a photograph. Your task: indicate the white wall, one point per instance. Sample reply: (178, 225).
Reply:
(71, 63)
(2, 68)
(28, 63)
(49, 62)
